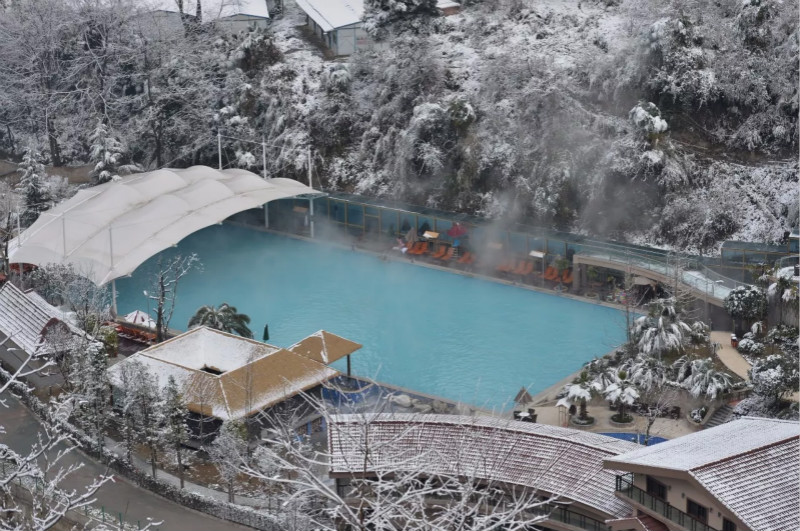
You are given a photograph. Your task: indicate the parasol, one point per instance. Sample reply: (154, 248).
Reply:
(140, 318)
(457, 230)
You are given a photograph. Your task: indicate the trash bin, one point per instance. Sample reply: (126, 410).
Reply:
(734, 341)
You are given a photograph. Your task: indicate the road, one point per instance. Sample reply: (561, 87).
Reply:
(134, 503)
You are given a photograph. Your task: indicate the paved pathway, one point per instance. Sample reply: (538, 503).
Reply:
(120, 496)
(729, 355)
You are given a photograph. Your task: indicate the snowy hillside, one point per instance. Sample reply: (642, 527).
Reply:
(669, 123)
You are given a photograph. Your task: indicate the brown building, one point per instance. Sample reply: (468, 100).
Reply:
(743, 475)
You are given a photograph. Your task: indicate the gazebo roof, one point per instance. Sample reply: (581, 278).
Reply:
(324, 347)
(226, 376)
(107, 231)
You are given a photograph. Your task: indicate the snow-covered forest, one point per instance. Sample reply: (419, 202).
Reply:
(671, 123)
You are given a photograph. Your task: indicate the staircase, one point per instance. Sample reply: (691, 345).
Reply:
(720, 416)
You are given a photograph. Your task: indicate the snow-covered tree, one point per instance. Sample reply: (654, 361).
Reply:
(229, 451)
(91, 391)
(660, 331)
(108, 155)
(164, 288)
(775, 377)
(623, 392)
(582, 391)
(176, 430)
(746, 303)
(700, 377)
(37, 474)
(32, 187)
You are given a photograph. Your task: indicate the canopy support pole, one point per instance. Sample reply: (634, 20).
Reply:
(263, 157)
(113, 281)
(114, 298)
(311, 199)
(219, 147)
(266, 215)
(348, 365)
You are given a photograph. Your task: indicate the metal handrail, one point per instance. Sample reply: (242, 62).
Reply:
(624, 485)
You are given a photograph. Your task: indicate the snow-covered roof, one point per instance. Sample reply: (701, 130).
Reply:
(561, 461)
(227, 376)
(711, 445)
(24, 317)
(332, 14)
(107, 231)
(751, 465)
(213, 9)
(324, 347)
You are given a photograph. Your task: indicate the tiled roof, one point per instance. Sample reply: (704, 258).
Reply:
(761, 487)
(560, 461)
(707, 446)
(23, 317)
(751, 465)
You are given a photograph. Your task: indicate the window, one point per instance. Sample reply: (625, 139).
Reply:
(656, 488)
(727, 525)
(696, 510)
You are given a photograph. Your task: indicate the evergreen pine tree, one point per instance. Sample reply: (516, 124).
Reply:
(108, 154)
(177, 432)
(32, 187)
(93, 391)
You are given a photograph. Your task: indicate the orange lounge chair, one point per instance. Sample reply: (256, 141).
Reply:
(566, 277)
(528, 269)
(520, 269)
(420, 248)
(413, 247)
(465, 259)
(440, 253)
(507, 266)
(448, 255)
(551, 273)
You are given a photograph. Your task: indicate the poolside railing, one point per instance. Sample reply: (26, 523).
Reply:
(359, 215)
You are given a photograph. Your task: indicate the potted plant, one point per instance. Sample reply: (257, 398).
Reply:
(561, 264)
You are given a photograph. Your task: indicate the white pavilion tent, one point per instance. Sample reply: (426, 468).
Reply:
(107, 231)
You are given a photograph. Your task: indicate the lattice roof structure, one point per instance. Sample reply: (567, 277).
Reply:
(559, 461)
(108, 230)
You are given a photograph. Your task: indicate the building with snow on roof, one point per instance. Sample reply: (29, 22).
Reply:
(516, 456)
(231, 15)
(743, 475)
(32, 331)
(337, 23)
(227, 377)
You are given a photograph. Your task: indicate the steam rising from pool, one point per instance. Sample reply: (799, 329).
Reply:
(433, 331)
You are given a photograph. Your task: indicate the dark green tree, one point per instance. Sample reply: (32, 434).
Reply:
(225, 318)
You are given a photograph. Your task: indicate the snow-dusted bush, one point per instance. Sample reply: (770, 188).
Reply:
(699, 414)
(746, 302)
(775, 376)
(646, 116)
(750, 347)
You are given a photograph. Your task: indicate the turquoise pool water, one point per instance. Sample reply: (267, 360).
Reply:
(432, 331)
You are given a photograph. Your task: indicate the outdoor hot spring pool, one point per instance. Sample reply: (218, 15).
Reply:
(432, 331)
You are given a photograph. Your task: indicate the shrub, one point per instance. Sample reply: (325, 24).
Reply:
(699, 414)
(746, 302)
(748, 346)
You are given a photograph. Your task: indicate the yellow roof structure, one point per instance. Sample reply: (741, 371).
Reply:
(230, 377)
(324, 347)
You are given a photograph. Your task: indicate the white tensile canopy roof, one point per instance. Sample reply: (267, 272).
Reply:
(107, 231)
